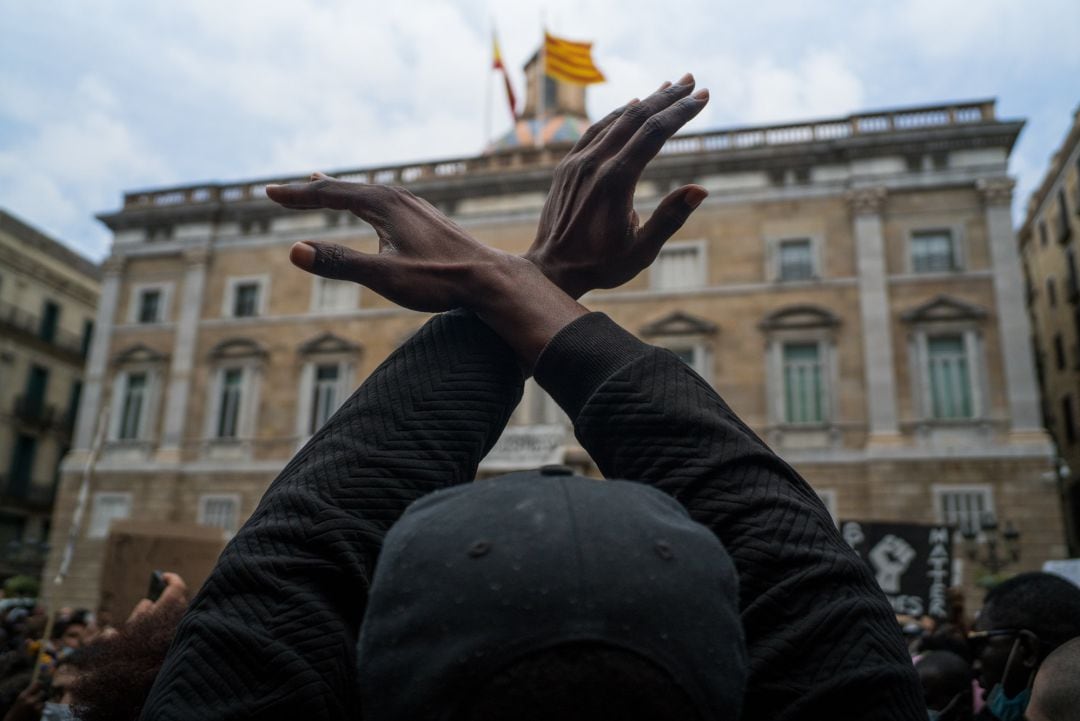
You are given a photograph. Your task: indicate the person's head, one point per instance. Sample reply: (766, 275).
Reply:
(69, 633)
(946, 681)
(542, 596)
(1022, 621)
(947, 637)
(1055, 695)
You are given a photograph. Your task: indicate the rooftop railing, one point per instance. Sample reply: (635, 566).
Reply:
(889, 121)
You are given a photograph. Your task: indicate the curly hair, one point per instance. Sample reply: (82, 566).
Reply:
(117, 671)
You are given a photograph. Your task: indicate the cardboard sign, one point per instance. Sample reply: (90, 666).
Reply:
(136, 548)
(911, 561)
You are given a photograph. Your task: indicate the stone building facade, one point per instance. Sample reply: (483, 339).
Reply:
(851, 286)
(48, 299)
(1048, 248)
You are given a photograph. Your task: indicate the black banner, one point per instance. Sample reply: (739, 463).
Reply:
(912, 562)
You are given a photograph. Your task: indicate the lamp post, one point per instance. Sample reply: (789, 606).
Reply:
(1000, 548)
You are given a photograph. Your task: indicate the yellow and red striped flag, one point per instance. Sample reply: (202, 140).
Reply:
(497, 64)
(569, 61)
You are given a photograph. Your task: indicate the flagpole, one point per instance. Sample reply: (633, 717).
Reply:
(487, 98)
(541, 76)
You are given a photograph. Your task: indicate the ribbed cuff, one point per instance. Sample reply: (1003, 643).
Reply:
(582, 356)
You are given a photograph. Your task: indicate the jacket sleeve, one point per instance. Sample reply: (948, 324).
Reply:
(273, 632)
(822, 640)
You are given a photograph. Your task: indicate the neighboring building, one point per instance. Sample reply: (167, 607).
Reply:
(48, 298)
(851, 286)
(1048, 245)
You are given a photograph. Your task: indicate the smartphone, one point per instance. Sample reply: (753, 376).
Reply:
(157, 585)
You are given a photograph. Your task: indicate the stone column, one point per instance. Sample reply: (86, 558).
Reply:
(90, 404)
(874, 312)
(183, 357)
(1014, 327)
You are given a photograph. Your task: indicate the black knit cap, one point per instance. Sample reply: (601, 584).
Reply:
(474, 577)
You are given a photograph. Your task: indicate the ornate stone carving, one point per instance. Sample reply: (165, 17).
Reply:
(995, 191)
(866, 201)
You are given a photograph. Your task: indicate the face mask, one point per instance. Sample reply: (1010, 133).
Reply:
(944, 713)
(1005, 708)
(57, 712)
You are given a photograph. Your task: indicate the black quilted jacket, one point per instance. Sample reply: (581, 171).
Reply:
(272, 634)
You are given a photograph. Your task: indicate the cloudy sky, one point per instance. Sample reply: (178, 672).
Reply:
(98, 98)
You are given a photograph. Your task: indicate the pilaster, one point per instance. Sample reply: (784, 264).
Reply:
(1014, 330)
(97, 363)
(183, 356)
(866, 206)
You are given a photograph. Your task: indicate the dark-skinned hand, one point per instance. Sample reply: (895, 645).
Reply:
(425, 261)
(589, 235)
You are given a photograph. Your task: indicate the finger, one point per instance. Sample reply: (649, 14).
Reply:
(325, 192)
(331, 260)
(635, 116)
(141, 608)
(670, 214)
(658, 129)
(599, 126)
(175, 589)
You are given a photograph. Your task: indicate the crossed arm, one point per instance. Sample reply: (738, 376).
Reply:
(272, 634)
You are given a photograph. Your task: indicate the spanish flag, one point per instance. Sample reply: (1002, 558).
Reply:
(497, 64)
(569, 61)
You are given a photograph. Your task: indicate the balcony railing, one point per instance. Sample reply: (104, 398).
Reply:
(34, 412)
(13, 318)
(737, 139)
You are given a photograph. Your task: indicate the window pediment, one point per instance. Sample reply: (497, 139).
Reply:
(327, 343)
(139, 353)
(678, 323)
(944, 308)
(237, 348)
(797, 317)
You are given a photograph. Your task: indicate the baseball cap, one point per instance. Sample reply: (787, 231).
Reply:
(472, 578)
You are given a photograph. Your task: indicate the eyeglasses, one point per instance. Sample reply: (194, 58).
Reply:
(977, 640)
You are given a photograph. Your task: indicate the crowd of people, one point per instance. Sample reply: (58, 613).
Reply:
(377, 580)
(86, 670)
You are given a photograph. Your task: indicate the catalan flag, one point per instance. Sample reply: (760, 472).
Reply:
(497, 64)
(569, 61)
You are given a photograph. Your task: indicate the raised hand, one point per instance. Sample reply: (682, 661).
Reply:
(425, 261)
(589, 234)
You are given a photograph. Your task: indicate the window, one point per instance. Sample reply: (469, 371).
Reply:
(1044, 237)
(1064, 229)
(220, 511)
(950, 377)
(804, 391)
(73, 402)
(50, 319)
(21, 470)
(679, 266)
(36, 384)
(325, 400)
(245, 297)
(828, 498)
(1068, 420)
(693, 355)
(1059, 351)
(964, 507)
(107, 507)
(932, 251)
(132, 407)
(1051, 292)
(149, 306)
(796, 259)
(87, 336)
(333, 295)
(246, 300)
(229, 400)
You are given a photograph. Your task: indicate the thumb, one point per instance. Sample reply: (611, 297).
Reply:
(331, 260)
(671, 213)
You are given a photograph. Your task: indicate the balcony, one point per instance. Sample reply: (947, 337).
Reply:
(27, 327)
(35, 413)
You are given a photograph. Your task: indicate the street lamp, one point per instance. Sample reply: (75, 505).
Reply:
(1001, 546)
